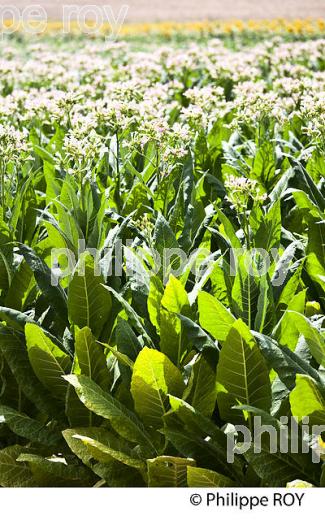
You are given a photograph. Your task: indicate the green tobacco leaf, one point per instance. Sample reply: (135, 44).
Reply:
(12, 473)
(306, 184)
(175, 297)
(21, 284)
(276, 469)
(305, 204)
(114, 473)
(202, 387)
(306, 400)
(156, 292)
(286, 363)
(72, 438)
(113, 449)
(14, 319)
(290, 287)
(206, 478)
(122, 358)
(126, 340)
(265, 316)
(28, 428)
(164, 238)
(132, 315)
(167, 471)
(197, 437)
(229, 230)
(117, 475)
(154, 377)
(286, 331)
(264, 163)
(316, 271)
(315, 263)
(195, 335)
(55, 472)
(13, 347)
(214, 317)
(90, 359)
(49, 363)
(43, 276)
(174, 301)
(124, 422)
(245, 291)
(313, 337)
(89, 304)
(77, 414)
(242, 375)
(269, 232)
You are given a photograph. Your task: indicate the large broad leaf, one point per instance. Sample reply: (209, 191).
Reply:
(49, 363)
(56, 472)
(201, 391)
(125, 422)
(265, 316)
(286, 363)
(174, 301)
(175, 297)
(132, 316)
(242, 375)
(206, 478)
(90, 359)
(197, 437)
(154, 377)
(276, 469)
(118, 475)
(245, 290)
(269, 232)
(167, 471)
(89, 303)
(13, 347)
(214, 317)
(28, 428)
(313, 337)
(12, 473)
(316, 272)
(286, 331)
(315, 262)
(195, 335)
(112, 449)
(43, 276)
(228, 230)
(264, 163)
(73, 436)
(307, 400)
(126, 340)
(14, 319)
(156, 292)
(21, 284)
(164, 240)
(114, 473)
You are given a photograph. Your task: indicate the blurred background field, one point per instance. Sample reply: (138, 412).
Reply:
(186, 10)
(182, 20)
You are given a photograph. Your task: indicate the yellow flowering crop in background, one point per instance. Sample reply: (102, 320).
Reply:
(298, 26)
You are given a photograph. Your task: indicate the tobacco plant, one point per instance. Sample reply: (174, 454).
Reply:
(118, 371)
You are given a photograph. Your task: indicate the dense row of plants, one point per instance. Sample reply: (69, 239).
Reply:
(137, 376)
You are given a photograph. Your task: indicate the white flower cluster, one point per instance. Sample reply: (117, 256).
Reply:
(166, 95)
